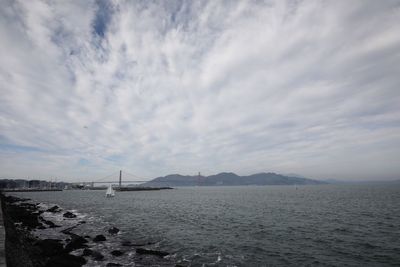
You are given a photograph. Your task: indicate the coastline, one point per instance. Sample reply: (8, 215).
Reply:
(25, 248)
(2, 240)
(18, 243)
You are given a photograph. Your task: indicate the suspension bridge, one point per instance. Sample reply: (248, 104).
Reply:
(115, 178)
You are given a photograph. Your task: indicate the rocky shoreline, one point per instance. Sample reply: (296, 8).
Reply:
(22, 218)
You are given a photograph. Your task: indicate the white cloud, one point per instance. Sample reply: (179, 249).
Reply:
(157, 88)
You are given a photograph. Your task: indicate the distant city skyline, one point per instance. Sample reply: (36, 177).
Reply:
(306, 87)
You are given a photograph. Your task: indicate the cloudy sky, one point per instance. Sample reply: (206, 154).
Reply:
(159, 87)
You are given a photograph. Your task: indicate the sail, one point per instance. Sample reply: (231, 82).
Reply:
(110, 191)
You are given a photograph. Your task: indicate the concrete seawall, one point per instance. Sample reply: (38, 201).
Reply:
(2, 239)
(14, 245)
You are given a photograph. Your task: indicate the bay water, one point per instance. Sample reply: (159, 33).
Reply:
(319, 225)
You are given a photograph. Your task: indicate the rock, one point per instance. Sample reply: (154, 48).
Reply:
(99, 238)
(117, 253)
(38, 212)
(50, 224)
(49, 247)
(113, 230)
(112, 264)
(82, 222)
(26, 214)
(69, 215)
(97, 256)
(66, 260)
(126, 243)
(11, 199)
(54, 209)
(151, 252)
(76, 242)
(87, 236)
(68, 230)
(87, 252)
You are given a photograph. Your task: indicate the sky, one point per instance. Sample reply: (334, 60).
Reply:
(158, 87)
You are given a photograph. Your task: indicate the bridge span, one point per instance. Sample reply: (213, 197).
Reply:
(108, 180)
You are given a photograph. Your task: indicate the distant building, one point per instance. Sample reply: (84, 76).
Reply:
(30, 184)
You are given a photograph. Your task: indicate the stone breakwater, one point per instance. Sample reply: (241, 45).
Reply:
(24, 248)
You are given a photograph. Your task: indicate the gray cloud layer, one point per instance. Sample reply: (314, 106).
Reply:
(310, 87)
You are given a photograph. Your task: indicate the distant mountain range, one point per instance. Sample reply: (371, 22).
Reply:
(229, 178)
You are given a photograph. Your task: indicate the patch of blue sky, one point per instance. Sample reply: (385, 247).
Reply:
(83, 162)
(103, 17)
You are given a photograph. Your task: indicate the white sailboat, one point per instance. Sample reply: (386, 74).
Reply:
(110, 191)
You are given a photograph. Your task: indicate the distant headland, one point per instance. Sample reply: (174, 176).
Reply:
(230, 179)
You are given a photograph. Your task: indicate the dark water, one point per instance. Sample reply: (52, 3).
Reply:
(329, 225)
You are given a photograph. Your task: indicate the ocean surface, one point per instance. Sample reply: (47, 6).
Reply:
(319, 225)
